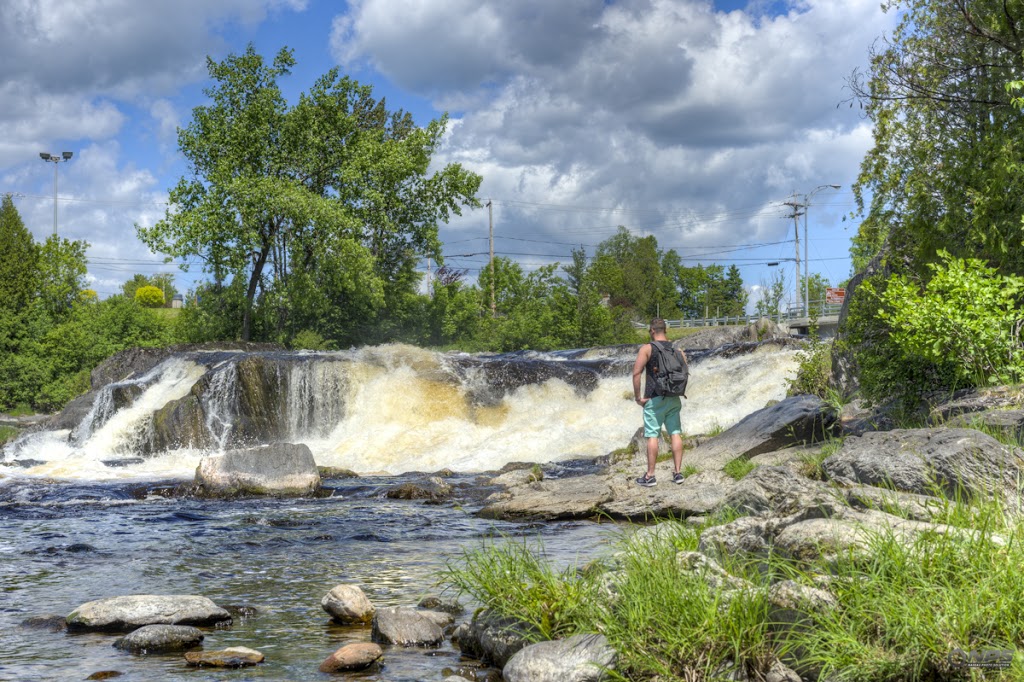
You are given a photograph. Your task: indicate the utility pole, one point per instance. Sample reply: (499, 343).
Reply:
(796, 205)
(490, 222)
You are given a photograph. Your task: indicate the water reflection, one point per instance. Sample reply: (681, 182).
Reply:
(277, 558)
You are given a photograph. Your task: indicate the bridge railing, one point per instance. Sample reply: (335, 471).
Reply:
(816, 308)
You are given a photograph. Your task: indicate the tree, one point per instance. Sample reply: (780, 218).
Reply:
(18, 259)
(772, 293)
(149, 296)
(942, 173)
(336, 179)
(62, 271)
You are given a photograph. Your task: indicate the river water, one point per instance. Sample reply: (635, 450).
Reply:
(82, 518)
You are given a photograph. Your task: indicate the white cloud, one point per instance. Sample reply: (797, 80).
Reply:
(693, 124)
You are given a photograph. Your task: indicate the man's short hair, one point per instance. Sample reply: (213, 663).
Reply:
(658, 325)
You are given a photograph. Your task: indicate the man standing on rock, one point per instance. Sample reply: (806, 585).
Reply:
(658, 410)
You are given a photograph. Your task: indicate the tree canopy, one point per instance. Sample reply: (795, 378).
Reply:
(330, 195)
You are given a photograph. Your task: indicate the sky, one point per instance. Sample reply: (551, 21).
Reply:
(690, 120)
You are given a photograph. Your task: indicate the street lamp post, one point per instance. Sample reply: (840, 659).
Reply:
(65, 156)
(807, 263)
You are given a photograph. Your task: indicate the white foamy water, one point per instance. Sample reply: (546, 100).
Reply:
(392, 409)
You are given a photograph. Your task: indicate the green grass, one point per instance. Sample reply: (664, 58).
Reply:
(21, 410)
(738, 468)
(810, 464)
(167, 314)
(8, 433)
(902, 608)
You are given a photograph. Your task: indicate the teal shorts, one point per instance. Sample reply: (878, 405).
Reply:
(662, 410)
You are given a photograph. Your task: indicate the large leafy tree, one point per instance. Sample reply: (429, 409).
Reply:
(334, 183)
(944, 170)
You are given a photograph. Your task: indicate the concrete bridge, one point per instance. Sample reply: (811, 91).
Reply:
(827, 320)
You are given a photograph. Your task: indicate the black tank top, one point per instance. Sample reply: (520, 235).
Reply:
(651, 362)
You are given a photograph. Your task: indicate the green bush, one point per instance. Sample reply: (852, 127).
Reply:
(149, 297)
(310, 340)
(967, 316)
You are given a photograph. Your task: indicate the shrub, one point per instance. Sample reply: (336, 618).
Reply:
(149, 297)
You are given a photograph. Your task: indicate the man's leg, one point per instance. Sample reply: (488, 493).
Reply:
(652, 454)
(677, 451)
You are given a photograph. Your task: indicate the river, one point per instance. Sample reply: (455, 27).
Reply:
(87, 513)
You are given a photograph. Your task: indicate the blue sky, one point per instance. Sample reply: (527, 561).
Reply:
(687, 120)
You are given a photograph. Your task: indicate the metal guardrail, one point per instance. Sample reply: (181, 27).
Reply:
(793, 313)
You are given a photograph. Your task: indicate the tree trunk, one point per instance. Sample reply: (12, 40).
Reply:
(257, 271)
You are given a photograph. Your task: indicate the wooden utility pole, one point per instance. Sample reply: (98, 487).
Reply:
(490, 223)
(796, 206)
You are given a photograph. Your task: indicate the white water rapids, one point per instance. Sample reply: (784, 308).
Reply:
(393, 409)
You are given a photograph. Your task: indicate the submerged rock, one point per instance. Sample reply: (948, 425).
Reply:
(158, 638)
(281, 468)
(492, 638)
(232, 657)
(121, 614)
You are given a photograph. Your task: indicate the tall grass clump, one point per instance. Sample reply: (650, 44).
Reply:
(908, 604)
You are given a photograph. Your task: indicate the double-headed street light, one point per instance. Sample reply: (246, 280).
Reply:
(65, 156)
(807, 263)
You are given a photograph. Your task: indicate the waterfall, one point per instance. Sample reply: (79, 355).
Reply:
(390, 409)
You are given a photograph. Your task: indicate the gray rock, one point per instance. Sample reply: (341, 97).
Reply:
(956, 462)
(493, 639)
(440, 618)
(793, 421)
(434, 489)
(777, 490)
(130, 612)
(433, 603)
(567, 498)
(699, 495)
(1009, 423)
(232, 657)
(281, 468)
(151, 639)
(745, 536)
(714, 337)
(580, 658)
(348, 604)
(908, 505)
(716, 577)
(780, 672)
(975, 402)
(405, 626)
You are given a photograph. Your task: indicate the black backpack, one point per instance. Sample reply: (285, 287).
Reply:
(670, 371)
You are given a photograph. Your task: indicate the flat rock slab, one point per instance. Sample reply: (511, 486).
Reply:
(151, 639)
(616, 495)
(405, 626)
(1010, 423)
(122, 614)
(232, 657)
(580, 658)
(793, 421)
(281, 468)
(356, 656)
(962, 463)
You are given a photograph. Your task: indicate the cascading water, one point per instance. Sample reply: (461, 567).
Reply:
(393, 409)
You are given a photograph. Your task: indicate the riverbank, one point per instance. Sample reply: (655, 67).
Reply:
(873, 555)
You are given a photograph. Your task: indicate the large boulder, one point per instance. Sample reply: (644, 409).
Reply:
(281, 468)
(405, 626)
(959, 463)
(151, 639)
(793, 421)
(580, 658)
(778, 490)
(122, 614)
(714, 337)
